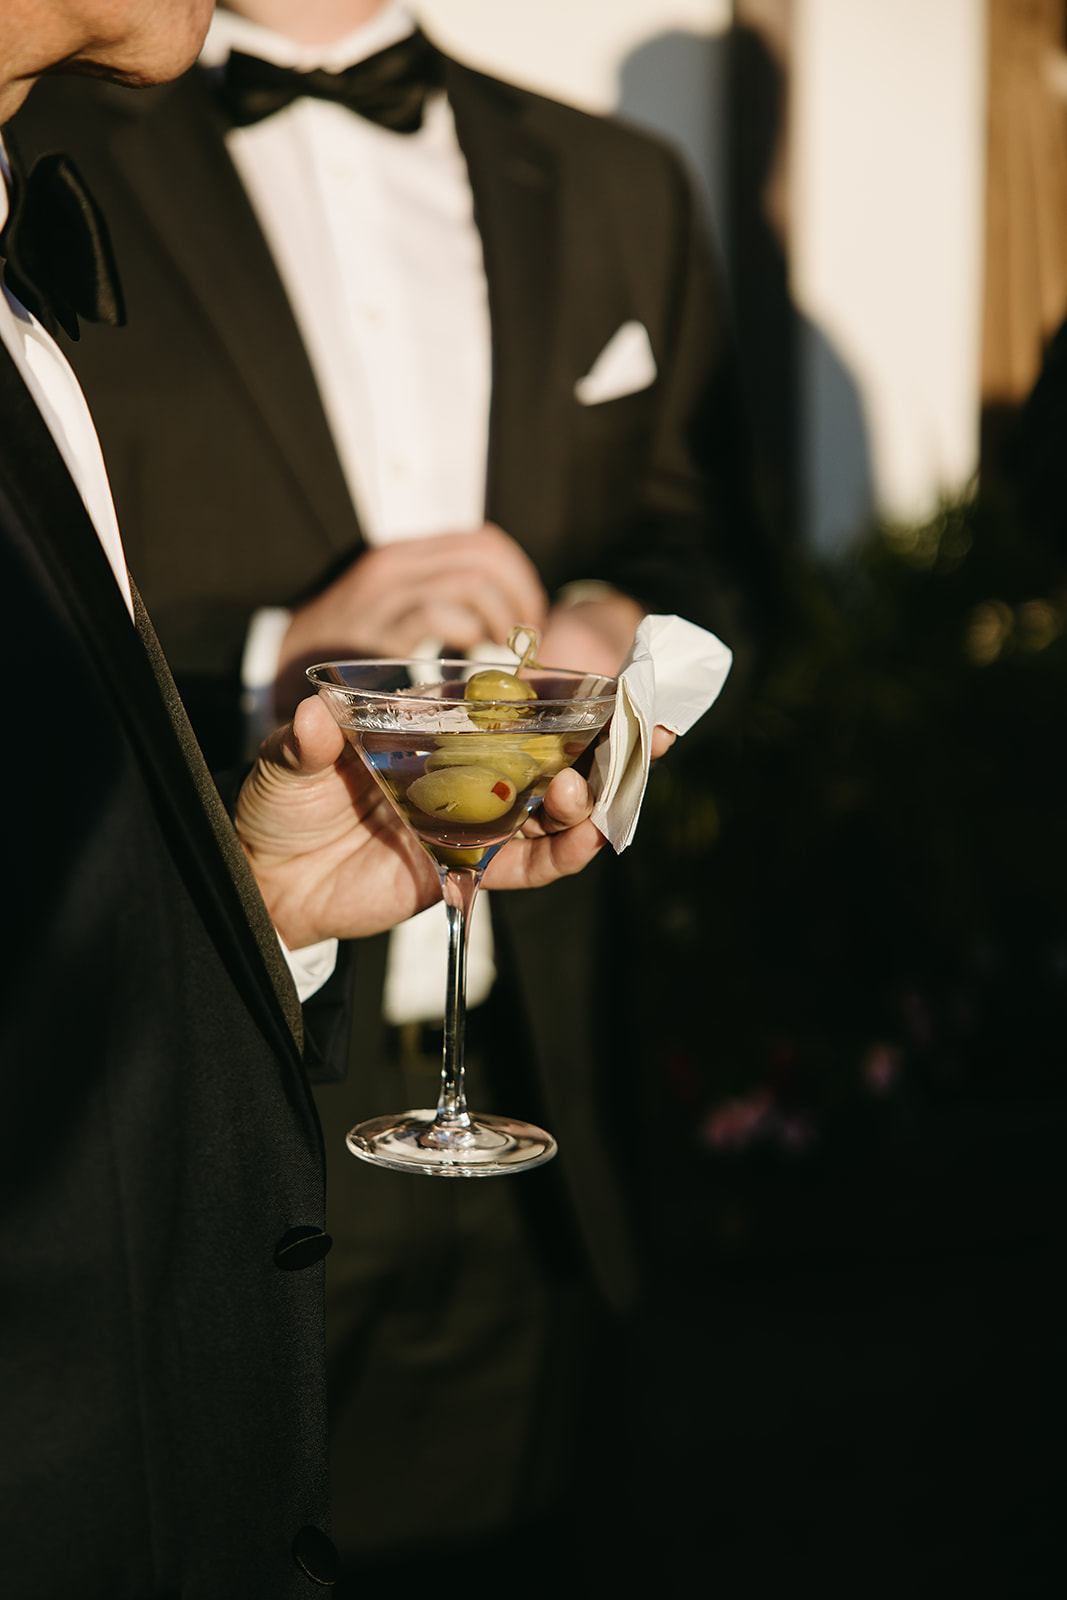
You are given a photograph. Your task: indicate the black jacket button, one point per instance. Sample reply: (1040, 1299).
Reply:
(316, 1555)
(301, 1247)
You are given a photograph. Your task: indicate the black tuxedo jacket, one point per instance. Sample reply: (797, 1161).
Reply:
(162, 1418)
(229, 490)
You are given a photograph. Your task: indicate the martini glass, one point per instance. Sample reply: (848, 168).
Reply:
(462, 775)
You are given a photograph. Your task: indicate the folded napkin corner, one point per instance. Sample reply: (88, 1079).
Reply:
(675, 671)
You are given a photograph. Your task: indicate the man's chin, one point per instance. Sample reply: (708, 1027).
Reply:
(143, 76)
(153, 41)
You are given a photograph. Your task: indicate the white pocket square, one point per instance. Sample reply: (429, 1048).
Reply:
(625, 365)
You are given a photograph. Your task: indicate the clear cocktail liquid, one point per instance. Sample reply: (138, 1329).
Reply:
(482, 785)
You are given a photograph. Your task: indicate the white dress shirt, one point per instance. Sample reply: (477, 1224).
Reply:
(374, 237)
(58, 397)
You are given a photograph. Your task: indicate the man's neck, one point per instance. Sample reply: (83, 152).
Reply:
(308, 21)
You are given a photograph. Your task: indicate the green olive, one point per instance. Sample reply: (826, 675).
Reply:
(463, 794)
(496, 684)
(514, 764)
(463, 750)
(486, 750)
(549, 751)
(457, 858)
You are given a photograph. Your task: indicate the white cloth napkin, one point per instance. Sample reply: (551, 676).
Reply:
(673, 673)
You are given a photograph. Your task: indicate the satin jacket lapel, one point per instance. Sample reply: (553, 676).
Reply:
(514, 181)
(173, 156)
(188, 804)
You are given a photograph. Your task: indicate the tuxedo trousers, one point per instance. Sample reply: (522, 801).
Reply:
(458, 1316)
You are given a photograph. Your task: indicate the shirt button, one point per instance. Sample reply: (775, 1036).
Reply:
(315, 1554)
(301, 1247)
(399, 469)
(374, 316)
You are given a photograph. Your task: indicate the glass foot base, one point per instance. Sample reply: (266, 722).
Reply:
(492, 1147)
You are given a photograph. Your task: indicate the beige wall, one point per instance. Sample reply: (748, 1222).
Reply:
(888, 153)
(654, 60)
(887, 173)
(571, 49)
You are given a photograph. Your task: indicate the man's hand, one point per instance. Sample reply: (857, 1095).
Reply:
(332, 861)
(462, 588)
(596, 636)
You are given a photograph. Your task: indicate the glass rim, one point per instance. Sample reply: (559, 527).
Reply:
(407, 662)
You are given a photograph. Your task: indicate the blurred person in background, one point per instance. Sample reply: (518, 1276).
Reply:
(1038, 460)
(163, 1410)
(414, 356)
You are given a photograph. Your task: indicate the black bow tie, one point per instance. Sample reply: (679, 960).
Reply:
(389, 88)
(56, 249)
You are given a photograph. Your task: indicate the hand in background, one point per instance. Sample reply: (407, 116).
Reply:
(330, 858)
(462, 588)
(595, 636)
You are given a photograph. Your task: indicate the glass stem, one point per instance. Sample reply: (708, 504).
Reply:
(459, 889)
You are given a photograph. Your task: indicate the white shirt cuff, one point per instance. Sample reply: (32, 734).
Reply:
(310, 966)
(583, 590)
(259, 669)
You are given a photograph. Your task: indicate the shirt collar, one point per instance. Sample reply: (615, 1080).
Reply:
(230, 32)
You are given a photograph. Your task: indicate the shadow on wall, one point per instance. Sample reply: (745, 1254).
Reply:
(722, 99)
(676, 85)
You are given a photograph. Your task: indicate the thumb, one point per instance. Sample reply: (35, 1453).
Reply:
(568, 801)
(307, 746)
(291, 800)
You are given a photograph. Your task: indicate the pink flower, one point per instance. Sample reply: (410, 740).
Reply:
(735, 1123)
(881, 1068)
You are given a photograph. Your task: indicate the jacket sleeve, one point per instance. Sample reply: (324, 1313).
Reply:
(694, 543)
(328, 1013)
(328, 1020)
